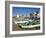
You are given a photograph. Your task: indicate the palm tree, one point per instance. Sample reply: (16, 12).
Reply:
(31, 16)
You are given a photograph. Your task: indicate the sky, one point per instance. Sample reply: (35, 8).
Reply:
(23, 10)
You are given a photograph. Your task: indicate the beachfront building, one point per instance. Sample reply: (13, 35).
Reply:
(38, 15)
(22, 18)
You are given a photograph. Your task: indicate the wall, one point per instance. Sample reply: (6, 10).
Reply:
(2, 19)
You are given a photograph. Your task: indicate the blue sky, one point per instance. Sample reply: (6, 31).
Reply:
(23, 10)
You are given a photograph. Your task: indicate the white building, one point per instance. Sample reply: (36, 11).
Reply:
(38, 15)
(17, 15)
